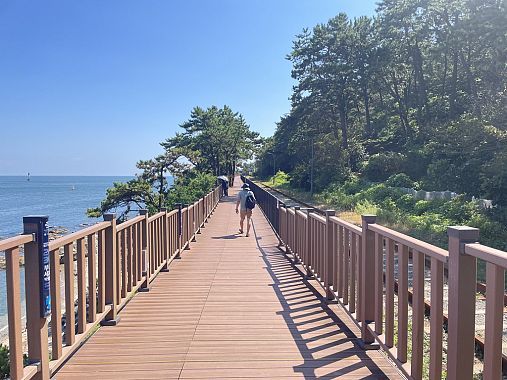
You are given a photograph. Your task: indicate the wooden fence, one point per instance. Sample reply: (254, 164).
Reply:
(356, 266)
(110, 262)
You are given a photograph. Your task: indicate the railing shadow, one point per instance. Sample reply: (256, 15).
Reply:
(226, 237)
(322, 339)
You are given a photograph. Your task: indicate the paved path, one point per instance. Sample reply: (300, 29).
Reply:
(232, 307)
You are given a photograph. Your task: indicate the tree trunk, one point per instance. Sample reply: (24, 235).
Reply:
(343, 123)
(161, 189)
(366, 99)
(453, 92)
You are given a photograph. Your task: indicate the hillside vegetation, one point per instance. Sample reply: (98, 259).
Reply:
(418, 90)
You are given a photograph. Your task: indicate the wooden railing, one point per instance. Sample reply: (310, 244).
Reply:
(366, 269)
(107, 263)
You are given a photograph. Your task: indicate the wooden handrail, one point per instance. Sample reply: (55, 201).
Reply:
(15, 241)
(70, 238)
(156, 216)
(347, 225)
(129, 223)
(488, 254)
(415, 244)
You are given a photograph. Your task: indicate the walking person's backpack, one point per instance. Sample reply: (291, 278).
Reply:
(250, 201)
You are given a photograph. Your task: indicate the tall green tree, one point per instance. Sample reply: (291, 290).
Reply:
(419, 87)
(215, 140)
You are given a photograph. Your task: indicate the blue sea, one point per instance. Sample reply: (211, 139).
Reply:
(63, 199)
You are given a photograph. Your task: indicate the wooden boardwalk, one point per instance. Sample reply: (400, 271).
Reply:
(232, 307)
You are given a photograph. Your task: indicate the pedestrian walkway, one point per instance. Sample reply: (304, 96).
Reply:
(231, 308)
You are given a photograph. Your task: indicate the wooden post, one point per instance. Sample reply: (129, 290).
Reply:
(92, 280)
(368, 282)
(329, 256)
(193, 225)
(165, 240)
(309, 274)
(111, 274)
(36, 325)
(284, 235)
(145, 249)
(462, 279)
(180, 230)
(187, 225)
(295, 235)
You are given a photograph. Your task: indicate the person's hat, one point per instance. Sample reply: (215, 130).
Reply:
(245, 186)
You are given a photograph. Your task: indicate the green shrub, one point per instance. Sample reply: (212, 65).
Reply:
(406, 202)
(366, 207)
(383, 165)
(280, 179)
(354, 185)
(421, 207)
(4, 362)
(339, 200)
(458, 210)
(400, 180)
(377, 193)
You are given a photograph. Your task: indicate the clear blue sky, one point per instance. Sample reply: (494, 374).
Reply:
(89, 87)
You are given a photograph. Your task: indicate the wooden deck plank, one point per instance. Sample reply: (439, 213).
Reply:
(231, 308)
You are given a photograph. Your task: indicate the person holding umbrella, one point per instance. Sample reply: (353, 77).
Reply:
(225, 185)
(244, 206)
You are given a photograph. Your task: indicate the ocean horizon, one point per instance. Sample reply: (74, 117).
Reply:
(64, 199)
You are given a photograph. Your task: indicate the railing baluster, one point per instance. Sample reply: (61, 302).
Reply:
(118, 262)
(346, 264)
(145, 251)
(353, 269)
(389, 285)
(14, 313)
(92, 280)
(56, 307)
(308, 243)
(134, 255)
(341, 271)
(379, 283)
(70, 320)
(130, 277)
(81, 287)
(402, 303)
(329, 264)
(359, 276)
(123, 255)
(495, 277)
(436, 318)
(101, 272)
(112, 274)
(417, 315)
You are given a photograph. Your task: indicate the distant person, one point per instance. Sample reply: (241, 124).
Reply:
(225, 187)
(244, 206)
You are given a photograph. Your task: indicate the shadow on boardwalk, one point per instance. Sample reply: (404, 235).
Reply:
(306, 311)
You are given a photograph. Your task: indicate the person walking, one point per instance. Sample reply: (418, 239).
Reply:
(225, 188)
(244, 206)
